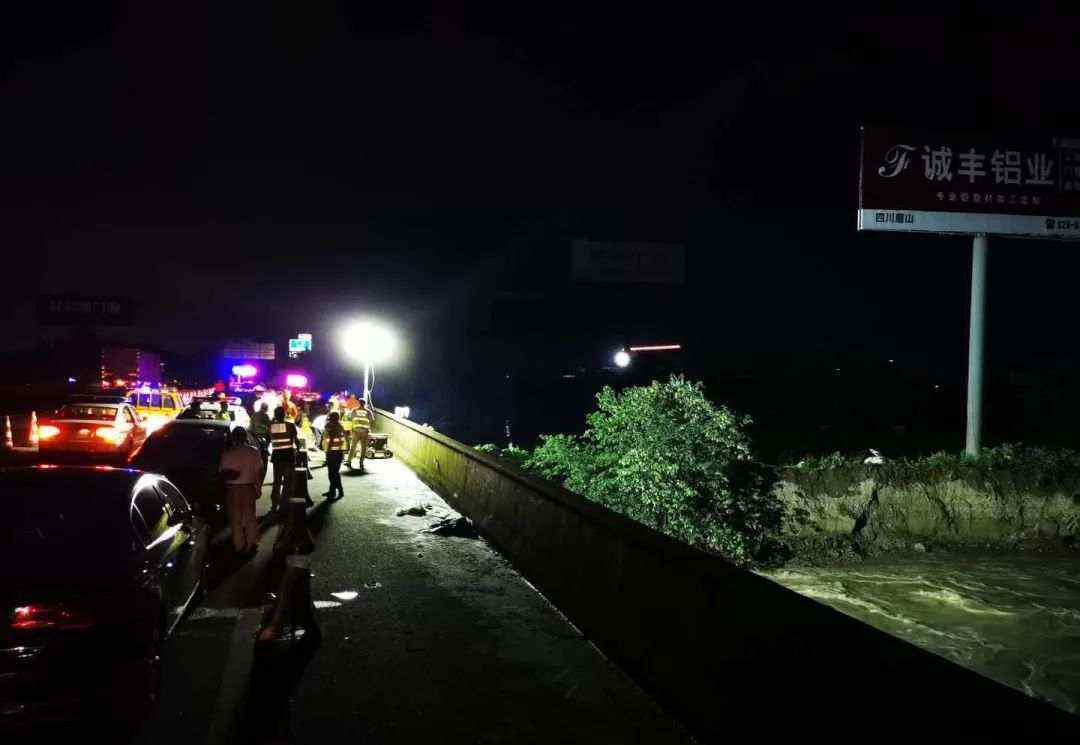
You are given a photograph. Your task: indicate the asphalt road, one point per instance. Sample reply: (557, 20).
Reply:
(425, 638)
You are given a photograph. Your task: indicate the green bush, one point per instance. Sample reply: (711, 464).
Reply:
(511, 452)
(822, 462)
(666, 456)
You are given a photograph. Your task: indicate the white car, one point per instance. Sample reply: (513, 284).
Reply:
(210, 410)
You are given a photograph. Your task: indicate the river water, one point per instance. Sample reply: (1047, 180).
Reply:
(1014, 619)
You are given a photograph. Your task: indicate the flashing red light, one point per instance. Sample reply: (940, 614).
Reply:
(52, 616)
(47, 431)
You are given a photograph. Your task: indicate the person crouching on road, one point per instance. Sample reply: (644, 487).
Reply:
(284, 441)
(335, 443)
(361, 429)
(242, 468)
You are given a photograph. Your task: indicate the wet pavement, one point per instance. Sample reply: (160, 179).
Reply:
(425, 637)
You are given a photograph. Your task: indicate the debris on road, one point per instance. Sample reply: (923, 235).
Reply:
(462, 527)
(372, 585)
(416, 510)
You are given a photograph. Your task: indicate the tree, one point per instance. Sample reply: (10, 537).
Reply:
(666, 456)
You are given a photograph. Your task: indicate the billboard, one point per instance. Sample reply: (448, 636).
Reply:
(1025, 185)
(65, 310)
(248, 350)
(595, 262)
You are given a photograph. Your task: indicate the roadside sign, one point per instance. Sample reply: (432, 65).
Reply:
(595, 262)
(66, 309)
(971, 184)
(248, 350)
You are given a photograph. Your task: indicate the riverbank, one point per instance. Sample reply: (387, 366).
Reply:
(854, 511)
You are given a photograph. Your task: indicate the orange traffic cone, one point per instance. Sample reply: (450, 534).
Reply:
(293, 615)
(33, 429)
(295, 538)
(301, 474)
(9, 443)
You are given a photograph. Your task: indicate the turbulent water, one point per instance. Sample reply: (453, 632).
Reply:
(1016, 619)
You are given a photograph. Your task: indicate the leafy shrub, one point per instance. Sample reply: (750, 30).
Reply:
(511, 452)
(664, 455)
(822, 462)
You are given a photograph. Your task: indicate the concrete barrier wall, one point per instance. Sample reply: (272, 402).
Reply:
(722, 648)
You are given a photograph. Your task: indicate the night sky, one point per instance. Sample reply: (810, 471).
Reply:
(253, 170)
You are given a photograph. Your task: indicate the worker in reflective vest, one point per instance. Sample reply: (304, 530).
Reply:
(284, 441)
(361, 428)
(336, 444)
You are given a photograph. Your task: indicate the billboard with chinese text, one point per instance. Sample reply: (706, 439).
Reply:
(595, 262)
(969, 184)
(63, 310)
(248, 350)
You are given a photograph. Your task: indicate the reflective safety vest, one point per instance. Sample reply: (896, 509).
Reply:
(280, 435)
(338, 442)
(360, 420)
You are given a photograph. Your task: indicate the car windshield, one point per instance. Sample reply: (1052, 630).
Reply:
(84, 411)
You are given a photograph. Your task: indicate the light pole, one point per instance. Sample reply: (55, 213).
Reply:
(368, 343)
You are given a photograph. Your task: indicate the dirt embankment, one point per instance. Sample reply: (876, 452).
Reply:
(853, 511)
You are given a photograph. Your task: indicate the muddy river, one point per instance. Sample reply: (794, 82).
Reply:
(1013, 619)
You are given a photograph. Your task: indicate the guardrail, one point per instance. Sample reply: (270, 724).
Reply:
(725, 649)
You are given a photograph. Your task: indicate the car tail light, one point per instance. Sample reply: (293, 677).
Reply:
(49, 616)
(111, 434)
(47, 432)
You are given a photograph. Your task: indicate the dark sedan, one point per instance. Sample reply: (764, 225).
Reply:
(188, 452)
(97, 566)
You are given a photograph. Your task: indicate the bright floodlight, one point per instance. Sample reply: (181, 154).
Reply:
(244, 371)
(295, 380)
(368, 342)
(622, 358)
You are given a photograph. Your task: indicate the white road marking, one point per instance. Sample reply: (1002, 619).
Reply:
(234, 679)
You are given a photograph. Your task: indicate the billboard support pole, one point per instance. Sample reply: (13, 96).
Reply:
(976, 340)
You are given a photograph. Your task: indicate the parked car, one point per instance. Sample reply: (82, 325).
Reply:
(91, 428)
(188, 452)
(208, 410)
(97, 567)
(155, 406)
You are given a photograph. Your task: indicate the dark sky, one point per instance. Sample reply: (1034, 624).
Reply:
(254, 169)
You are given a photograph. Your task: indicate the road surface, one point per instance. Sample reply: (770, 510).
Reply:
(426, 637)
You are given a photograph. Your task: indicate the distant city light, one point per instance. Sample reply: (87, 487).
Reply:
(294, 380)
(622, 358)
(656, 348)
(245, 371)
(72, 380)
